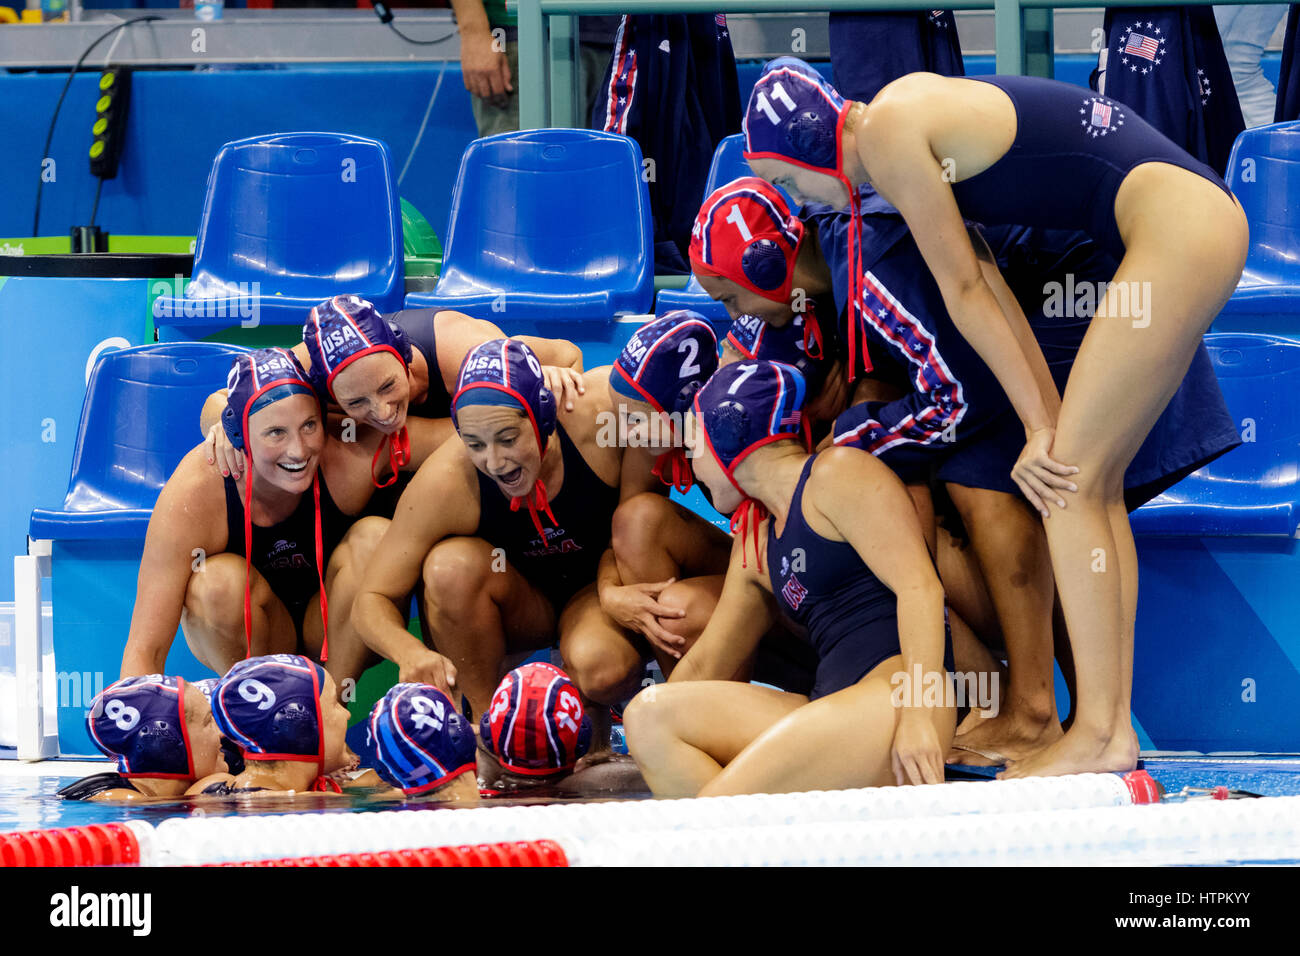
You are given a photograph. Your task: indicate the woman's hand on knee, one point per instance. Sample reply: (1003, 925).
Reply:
(1042, 478)
(636, 607)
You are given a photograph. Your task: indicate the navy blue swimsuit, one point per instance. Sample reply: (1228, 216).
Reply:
(1072, 150)
(850, 616)
(567, 561)
(952, 395)
(957, 417)
(285, 553)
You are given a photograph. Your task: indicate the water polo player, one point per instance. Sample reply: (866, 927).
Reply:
(282, 712)
(161, 732)
(240, 565)
(503, 532)
(1030, 151)
(832, 540)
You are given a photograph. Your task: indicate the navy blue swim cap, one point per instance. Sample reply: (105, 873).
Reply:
(141, 722)
(796, 116)
(666, 360)
(755, 339)
(270, 707)
(343, 329)
(506, 372)
(420, 739)
(256, 380)
(747, 405)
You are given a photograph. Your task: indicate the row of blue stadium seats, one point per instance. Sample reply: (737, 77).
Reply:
(559, 222)
(142, 403)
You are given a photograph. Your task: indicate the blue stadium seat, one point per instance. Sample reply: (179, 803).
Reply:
(1264, 173)
(304, 216)
(1253, 490)
(547, 224)
(728, 163)
(140, 417)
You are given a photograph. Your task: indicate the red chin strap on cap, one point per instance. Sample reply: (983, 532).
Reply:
(812, 334)
(399, 456)
(248, 558)
(534, 500)
(674, 470)
(748, 516)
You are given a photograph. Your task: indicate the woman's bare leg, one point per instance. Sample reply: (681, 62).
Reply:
(1011, 548)
(213, 616)
(476, 607)
(836, 742)
(654, 539)
(682, 735)
(1186, 250)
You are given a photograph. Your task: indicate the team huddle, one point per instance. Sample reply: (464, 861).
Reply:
(921, 457)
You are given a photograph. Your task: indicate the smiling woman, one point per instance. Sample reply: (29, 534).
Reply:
(240, 565)
(503, 532)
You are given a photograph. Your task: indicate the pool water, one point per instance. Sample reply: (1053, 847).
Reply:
(32, 803)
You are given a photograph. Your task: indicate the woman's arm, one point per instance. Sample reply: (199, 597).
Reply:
(896, 151)
(887, 536)
(187, 527)
(743, 615)
(1019, 325)
(441, 501)
(558, 352)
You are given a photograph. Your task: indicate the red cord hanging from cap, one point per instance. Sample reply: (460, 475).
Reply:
(855, 317)
(812, 335)
(679, 474)
(398, 447)
(535, 499)
(248, 561)
(320, 572)
(748, 516)
(248, 554)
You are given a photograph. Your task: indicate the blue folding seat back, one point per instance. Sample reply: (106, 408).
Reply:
(1264, 173)
(303, 215)
(1255, 488)
(557, 220)
(139, 418)
(729, 163)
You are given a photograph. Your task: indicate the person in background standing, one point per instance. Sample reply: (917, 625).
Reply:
(1246, 32)
(489, 59)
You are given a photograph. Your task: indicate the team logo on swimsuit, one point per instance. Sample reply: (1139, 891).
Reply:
(794, 593)
(1099, 116)
(1141, 47)
(285, 555)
